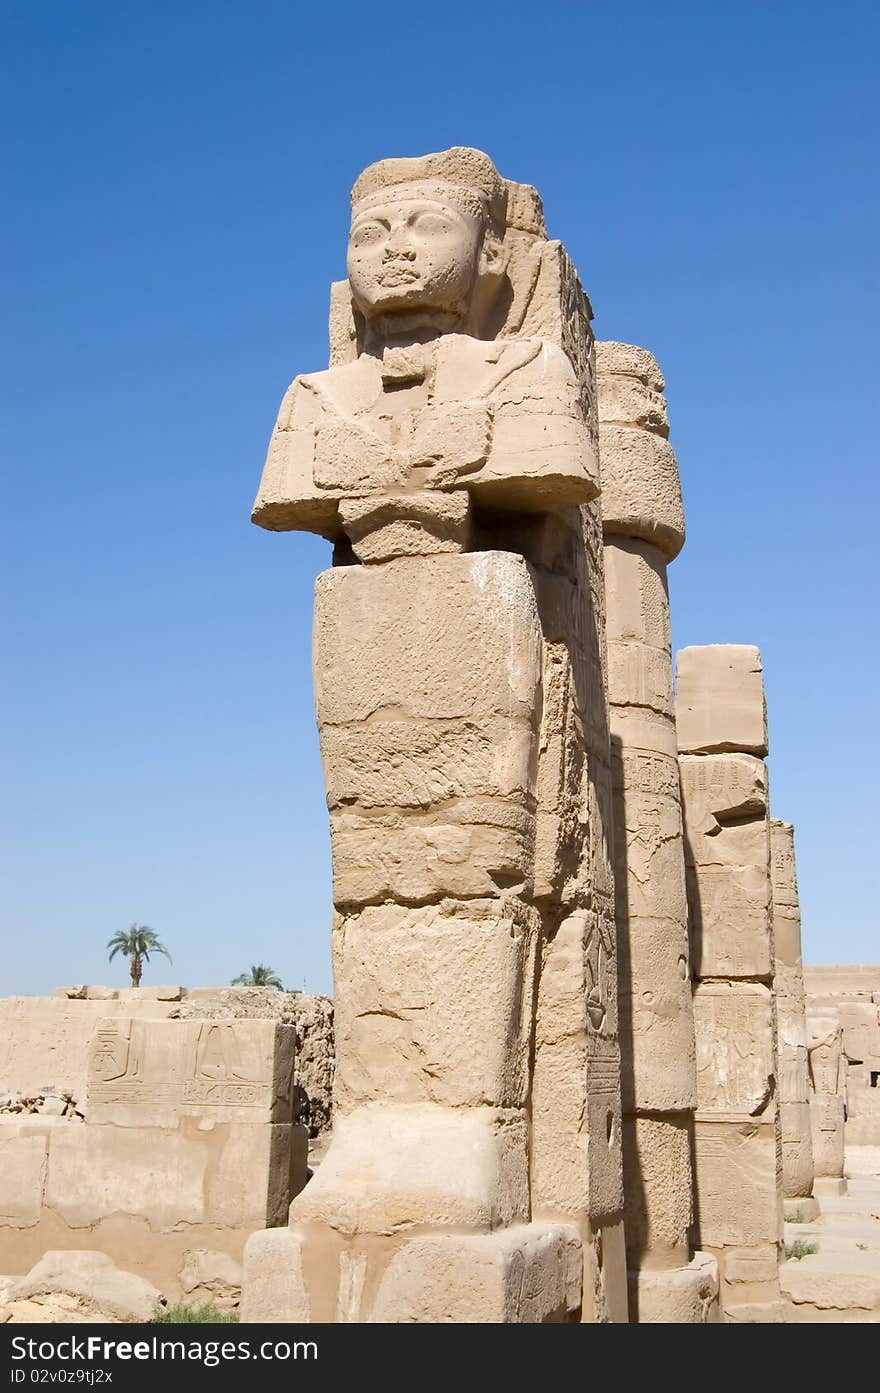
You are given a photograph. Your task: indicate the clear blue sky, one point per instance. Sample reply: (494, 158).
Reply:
(176, 206)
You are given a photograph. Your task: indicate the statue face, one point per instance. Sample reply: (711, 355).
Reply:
(412, 250)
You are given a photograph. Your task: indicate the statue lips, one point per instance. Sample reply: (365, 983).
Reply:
(399, 274)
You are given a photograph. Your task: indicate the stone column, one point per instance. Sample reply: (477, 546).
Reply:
(643, 525)
(450, 453)
(722, 737)
(794, 1089)
(827, 1099)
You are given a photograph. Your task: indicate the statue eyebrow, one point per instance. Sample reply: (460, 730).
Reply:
(369, 217)
(424, 204)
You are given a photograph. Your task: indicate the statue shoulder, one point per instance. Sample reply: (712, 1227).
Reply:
(344, 390)
(542, 453)
(489, 369)
(543, 362)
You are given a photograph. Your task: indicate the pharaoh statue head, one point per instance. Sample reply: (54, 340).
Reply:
(426, 250)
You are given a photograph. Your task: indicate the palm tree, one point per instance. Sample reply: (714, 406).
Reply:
(136, 943)
(259, 976)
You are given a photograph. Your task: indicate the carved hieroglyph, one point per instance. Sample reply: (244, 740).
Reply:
(182, 1144)
(735, 1063)
(450, 454)
(853, 994)
(721, 717)
(827, 1093)
(149, 1071)
(643, 527)
(794, 1090)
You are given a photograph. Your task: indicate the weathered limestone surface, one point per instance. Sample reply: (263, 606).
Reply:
(44, 1041)
(721, 706)
(177, 1142)
(95, 1281)
(840, 1278)
(852, 995)
(827, 1097)
(738, 1140)
(312, 1020)
(794, 1088)
(643, 525)
(450, 454)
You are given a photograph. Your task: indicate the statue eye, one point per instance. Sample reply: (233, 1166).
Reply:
(369, 233)
(431, 222)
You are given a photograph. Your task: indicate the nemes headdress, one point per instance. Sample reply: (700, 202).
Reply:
(466, 176)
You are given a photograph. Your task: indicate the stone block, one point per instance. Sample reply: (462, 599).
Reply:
(656, 1015)
(751, 1266)
(782, 863)
(657, 1209)
(470, 850)
(630, 401)
(797, 1149)
(641, 492)
(829, 1187)
(47, 1039)
(720, 702)
(150, 993)
(414, 764)
(850, 979)
(639, 676)
(606, 1273)
(409, 656)
(212, 1276)
(628, 360)
(736, 1069)
(434, 1004)
(803, 1210)
(274, 1289)
(529, 1274)
(679, 1295)
(214, 1173)
(575, 1157)
(150, 1073)
(815, 1280)
(755, 1313)
(393, 1166)
(825, 1047)
(827, 1113)
(737, 1201)
(648, 859)
(730, 921)
(637, 596)
(96, 1280)
(441, 638)
(862, 1131)
(52, 1106)
(23, 1161)
(638, 728)
(718, 788)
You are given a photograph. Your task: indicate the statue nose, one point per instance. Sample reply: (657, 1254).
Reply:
(398, 247)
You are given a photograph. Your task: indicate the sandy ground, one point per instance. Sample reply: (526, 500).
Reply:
(841, 1280)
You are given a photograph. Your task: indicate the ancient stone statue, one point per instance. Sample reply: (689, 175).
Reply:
(390, 454)
(450, 454)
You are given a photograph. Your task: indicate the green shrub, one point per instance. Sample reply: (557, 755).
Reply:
(206, 1314)
(799, 1249)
